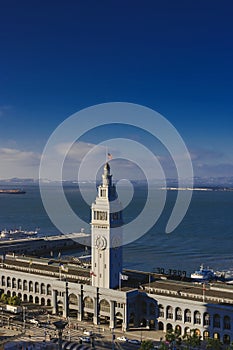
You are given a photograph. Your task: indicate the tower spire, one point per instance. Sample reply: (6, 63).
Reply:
(106, 225)
(106, 177)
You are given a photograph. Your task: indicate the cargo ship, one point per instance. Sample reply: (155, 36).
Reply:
(12, 191)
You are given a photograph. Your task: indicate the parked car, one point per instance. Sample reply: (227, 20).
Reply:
(123, 338)
(85, 339)
(134, 341)
(34, 321)
(86, 332)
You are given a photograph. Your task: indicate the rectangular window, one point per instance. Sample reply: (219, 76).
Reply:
(101, 215)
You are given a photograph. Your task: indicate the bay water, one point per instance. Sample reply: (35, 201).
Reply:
(205, 235)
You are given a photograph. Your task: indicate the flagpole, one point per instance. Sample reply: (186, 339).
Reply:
(203, 290)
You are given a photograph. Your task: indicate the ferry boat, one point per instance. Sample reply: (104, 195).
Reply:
(204, 274)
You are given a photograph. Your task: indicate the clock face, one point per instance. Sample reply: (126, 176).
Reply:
(101, 242)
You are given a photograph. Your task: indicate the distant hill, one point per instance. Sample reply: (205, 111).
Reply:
(207, 182)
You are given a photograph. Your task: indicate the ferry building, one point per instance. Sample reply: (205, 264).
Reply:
(98, 294)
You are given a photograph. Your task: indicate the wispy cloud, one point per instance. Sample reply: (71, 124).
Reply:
(22, 163)
(18, 163)
(211, 163)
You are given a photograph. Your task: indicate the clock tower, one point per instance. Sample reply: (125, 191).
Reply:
(106, 228)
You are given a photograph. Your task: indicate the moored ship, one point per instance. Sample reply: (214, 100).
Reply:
(12, 191)
(8, 235)
(204, 274)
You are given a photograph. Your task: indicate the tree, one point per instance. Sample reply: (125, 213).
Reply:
(146, 345)
(163, 346)
(4, 298)
(14, 300)
(192, 339)
(214, 344)
(171, 336)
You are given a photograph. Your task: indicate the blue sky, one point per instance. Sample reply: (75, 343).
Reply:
(58, 57)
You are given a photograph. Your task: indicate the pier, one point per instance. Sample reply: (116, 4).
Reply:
(47, 244)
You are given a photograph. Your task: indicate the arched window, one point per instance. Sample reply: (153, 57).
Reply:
(226, 339)
(14, 282)
(73, 300)
(178, 330)
(3, 281)
(227, 322)
(187, 316)
(19, 284)
(49, 289)
(216, 322)
(206, 319)
(206, 335)
(178, 314)
(37, 290)
(30, 286)
(88, 303)
(161, 310)
(42, 288)
(8, 282)
(169, 327)
(197, 317)
(170, 312)
(104, 306)
(25, 285)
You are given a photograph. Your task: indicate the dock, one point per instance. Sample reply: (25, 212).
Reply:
(46, 244)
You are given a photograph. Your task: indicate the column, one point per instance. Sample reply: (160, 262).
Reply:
(124, 323)
(65, 304)
(80, 307)
(112, 314)
(54, 301)
(96, 311)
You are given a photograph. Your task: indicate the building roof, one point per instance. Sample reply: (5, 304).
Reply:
(220, 293)
(48, 267)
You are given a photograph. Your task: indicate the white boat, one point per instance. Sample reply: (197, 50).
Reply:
(204, 274)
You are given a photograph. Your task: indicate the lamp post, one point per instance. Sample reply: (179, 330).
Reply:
(24, 318)
(60, 325)
(69, 329)
(141, 324)
(113, 339)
